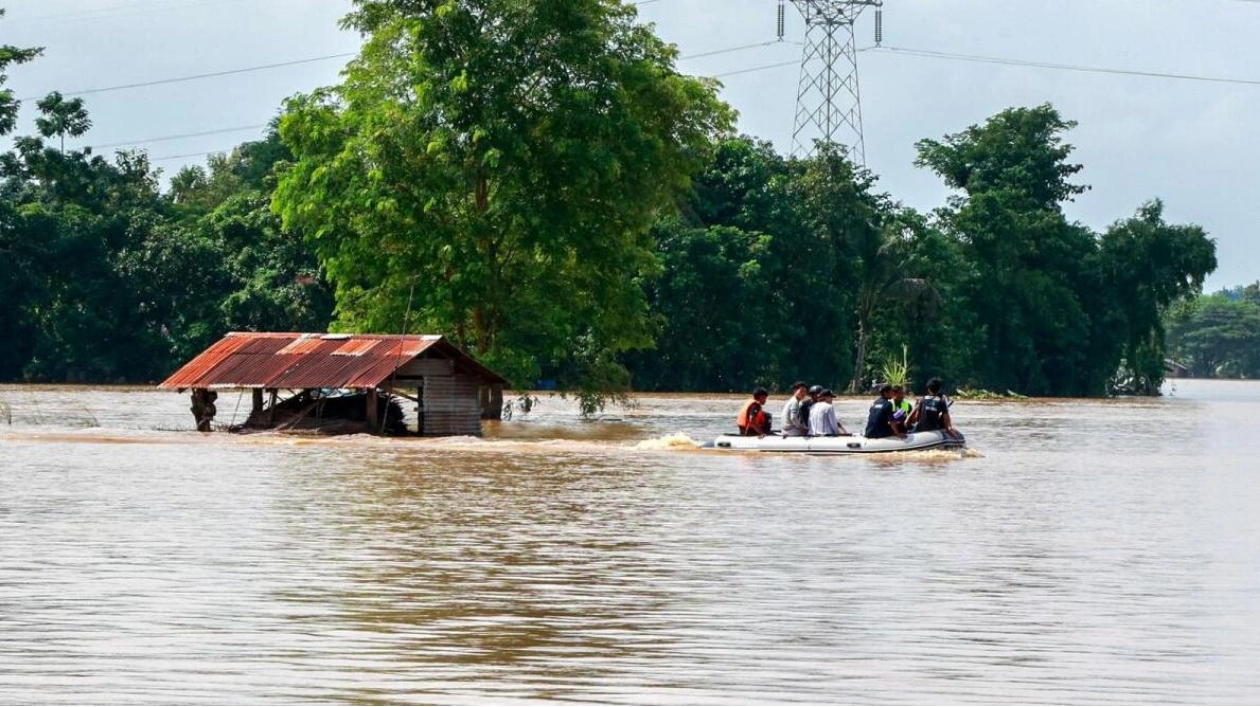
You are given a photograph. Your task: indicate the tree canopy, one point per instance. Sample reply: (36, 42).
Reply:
(492, 169)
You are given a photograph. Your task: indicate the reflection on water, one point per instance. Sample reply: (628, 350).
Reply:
(1084, 551)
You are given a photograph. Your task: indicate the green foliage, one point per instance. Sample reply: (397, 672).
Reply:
(896, 371)
(1057, 306)
(537, 181)
(60, 117)
(1216, 336)
(498, 163)
(1149, 266)
(9, 106)
(112, 281)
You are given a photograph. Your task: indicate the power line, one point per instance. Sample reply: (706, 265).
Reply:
(197, 77)
(928, 54)
(744, 47)
(187, 156)
(750, 70)
(295, 62)
(167, 138)
(1062, 67)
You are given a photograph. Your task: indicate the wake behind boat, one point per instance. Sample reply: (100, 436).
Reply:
(845, 444)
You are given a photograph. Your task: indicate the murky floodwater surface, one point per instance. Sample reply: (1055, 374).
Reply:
(1089, 551)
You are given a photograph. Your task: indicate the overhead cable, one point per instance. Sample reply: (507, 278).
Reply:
(195, 77)
(1060, 67)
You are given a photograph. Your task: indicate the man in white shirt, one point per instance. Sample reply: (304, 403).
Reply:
(793, 424)
(822, 417)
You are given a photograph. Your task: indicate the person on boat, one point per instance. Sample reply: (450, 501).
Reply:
(822, 417)
(902, 409)
(808, 404)
(753, 418)
(794, 423)
(879, 422)
(932, 412)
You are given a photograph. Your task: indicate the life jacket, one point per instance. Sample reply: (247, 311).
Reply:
(931, 408)
(752, 416)
(878, 419)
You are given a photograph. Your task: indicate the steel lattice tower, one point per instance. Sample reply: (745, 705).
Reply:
(828, 102)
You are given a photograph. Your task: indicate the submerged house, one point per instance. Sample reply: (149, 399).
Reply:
(341, 383)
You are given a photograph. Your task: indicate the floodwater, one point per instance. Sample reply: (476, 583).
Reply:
(1083, 552)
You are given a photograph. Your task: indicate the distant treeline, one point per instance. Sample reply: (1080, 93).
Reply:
(1218, 336)
(565, 205)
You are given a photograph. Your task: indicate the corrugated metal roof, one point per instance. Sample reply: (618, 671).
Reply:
(298, 361)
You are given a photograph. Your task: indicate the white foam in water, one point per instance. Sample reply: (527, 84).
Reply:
(676, 441)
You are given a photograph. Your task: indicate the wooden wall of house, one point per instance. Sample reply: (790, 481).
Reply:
(452, 405)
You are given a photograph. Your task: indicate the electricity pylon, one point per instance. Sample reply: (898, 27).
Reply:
(828, 102)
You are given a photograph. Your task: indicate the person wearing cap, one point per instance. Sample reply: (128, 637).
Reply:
(795, 424)
(879, 422)
(822, 417)
(753, 418)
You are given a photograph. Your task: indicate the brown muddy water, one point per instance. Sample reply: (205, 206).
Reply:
(1085, 552)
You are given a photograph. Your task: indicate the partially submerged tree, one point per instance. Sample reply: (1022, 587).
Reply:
(1148, 266)
(497, 164)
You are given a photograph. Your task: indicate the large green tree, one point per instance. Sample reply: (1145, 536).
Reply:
(1216, 336)
(490, 169)
(1148, 265)
(1027, 261)
(1059, 309)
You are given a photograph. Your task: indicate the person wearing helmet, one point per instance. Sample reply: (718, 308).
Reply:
(807, 404)
(794, 425)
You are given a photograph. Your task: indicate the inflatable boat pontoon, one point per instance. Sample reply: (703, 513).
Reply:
(852, 444)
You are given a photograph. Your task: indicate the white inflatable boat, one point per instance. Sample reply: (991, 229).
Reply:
(837, 445)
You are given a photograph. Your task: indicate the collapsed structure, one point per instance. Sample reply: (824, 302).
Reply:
(342, 383)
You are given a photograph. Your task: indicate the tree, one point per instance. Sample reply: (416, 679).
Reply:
(502, 161)
(1027, 263)
(62, 117)
(1216, 336)
(1148, 266)
(9, 105)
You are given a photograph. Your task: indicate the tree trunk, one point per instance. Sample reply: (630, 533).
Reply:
(859, 361)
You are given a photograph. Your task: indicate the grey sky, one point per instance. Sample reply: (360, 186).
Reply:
(1196, 144)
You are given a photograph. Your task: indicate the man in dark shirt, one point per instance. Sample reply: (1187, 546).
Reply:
(933, 411)
(879, 423)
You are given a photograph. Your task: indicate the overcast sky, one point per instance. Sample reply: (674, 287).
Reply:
(1193, 143)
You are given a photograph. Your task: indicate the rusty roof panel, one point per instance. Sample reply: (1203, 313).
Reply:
(355, 347)
(302, 345)
(297, 361)
(203, 364)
